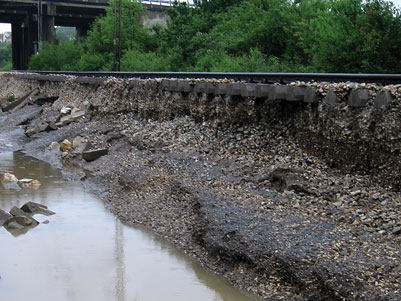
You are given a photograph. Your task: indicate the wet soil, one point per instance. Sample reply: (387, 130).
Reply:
(247, 202)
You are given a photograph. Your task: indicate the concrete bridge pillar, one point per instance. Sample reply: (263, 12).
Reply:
(82, 31)
(24, 32)
(49, 34)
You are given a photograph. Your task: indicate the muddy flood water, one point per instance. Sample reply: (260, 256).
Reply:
(85, 253)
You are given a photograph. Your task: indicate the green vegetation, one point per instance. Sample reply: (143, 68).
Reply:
(248, 35)
(5, 56)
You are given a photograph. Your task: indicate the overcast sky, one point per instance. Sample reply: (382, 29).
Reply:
(7, 27)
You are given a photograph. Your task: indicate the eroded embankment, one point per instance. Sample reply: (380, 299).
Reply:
(231, 179)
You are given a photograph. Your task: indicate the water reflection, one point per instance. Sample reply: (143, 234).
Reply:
(85, 253)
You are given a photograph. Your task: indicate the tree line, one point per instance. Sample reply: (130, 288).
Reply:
(242, 36)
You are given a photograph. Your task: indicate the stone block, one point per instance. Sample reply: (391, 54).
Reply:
(295, 93)
(330, 98)
(358, 98)
(383, 100)
(263, 91)
(92, 155)
(278, 92)
(234, 89)
(311, 95)
(248, 90)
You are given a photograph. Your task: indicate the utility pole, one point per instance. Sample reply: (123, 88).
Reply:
(119, 36)
(40, 20)
(115, 36)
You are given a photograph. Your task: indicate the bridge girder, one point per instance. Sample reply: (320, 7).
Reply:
(23, 16)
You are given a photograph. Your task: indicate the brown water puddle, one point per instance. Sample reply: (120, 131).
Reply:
(85, 253)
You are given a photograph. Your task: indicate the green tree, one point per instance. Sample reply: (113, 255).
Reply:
(5, 56)
(98, 45)
(63, 55)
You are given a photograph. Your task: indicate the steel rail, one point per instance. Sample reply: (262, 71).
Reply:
(251, 77)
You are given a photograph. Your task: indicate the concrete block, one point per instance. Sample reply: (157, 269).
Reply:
(331, 98)
(263, 91)
(92, 155)
(358, 98)
(173, 86)
(295, 93)
(383, 100)
(133, 83)
(210, 88)
(165, 85)
(185, 87)
(234, 89)
(248, 90)
(221, 89)
(278, 92)
(311, 95)
(200, 87)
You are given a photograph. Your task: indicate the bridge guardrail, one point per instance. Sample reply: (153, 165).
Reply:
(190, 3)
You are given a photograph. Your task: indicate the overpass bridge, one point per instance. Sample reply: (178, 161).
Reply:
(33, 21)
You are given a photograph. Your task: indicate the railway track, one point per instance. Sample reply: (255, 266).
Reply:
(250, 77)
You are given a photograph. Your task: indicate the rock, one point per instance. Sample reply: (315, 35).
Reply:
(65, 110)
(4, 216)
(8, 177)
(86, 104)
(80, 144)
(72, 117)
(396, 230)
(51, 126)
(40, 127)
(287, 179)
(94, 154)
(22, 220)
(35, 208)
(30, 132)
(53, 146)
(65, 145)
(11, 185)
(29, 183)
(17, 212)
(12, 225)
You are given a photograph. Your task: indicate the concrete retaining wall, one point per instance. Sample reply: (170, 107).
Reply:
(355, 127)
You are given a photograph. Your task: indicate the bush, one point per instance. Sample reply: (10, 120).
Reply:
(135, 60)
(63, 55)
